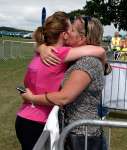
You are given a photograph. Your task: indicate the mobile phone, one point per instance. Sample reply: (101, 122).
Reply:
(21, 89)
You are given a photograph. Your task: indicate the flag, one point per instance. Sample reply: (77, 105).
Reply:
(43, 16)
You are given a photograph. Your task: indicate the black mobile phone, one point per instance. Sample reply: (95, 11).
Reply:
(21, 89)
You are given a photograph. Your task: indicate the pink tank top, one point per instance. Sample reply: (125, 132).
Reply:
(39, 79)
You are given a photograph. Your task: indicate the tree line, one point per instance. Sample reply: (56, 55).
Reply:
(107, 11)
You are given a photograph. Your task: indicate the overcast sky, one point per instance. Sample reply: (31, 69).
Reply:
(26, 14)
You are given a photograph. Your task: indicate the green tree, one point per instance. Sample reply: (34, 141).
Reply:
(108, 11)
(121, 18)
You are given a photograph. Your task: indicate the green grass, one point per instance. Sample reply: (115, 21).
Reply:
(14, 38)
(11, 74)
(119, 139)
(118, 135)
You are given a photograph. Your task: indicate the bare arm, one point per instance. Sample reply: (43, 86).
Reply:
(49, 57)
(40, 47)
(87, 50)
(79, 80)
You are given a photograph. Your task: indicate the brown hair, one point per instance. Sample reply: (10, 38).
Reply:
(95, 32)
(38, 36)
(53, 27)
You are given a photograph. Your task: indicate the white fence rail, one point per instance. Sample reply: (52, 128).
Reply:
(43, 142)
(101, 123)
(115, 90)
(14, 49)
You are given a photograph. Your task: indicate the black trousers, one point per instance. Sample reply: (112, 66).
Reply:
(27, 132)
(77, 142)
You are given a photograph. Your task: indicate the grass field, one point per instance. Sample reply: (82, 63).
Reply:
(11, 74)
(14, 38)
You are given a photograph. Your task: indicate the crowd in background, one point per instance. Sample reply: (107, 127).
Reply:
(118, 42)
(119, 46)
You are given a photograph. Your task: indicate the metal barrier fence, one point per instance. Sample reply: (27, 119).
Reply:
(115, 89)
(101, 123)
(13, 49)
(43, 142)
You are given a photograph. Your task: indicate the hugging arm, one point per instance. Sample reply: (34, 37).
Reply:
(78, 79)
(49, 58)
(87, 50)
(47, 55)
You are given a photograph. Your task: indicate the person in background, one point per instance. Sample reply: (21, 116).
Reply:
(115, 44)
(57, 32)
(123, 46)
(81, 92)
(126, 42)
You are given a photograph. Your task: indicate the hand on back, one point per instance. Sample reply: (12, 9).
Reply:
(47, 55)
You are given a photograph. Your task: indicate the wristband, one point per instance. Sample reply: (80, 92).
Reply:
(48, 100)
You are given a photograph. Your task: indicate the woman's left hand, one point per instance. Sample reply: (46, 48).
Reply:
(27, 96)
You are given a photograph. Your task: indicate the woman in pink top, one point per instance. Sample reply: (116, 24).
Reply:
(40, 78)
